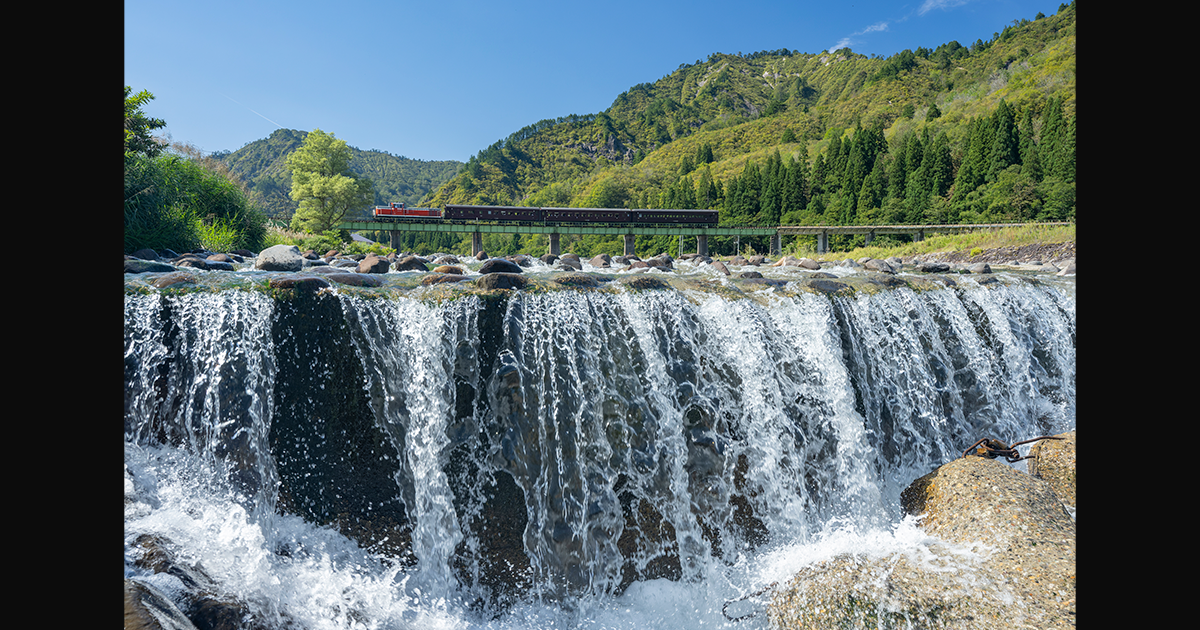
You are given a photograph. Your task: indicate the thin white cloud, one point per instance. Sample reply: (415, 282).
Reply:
(849, 39)
(256, 113)
(930, 5)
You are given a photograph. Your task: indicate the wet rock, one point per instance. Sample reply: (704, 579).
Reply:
(548, 259)
(576, 280)
(720, 266)
(441, 278)
(502, 280)
(1054, 462)
(882, 266)
(300, 283)
(644, 282)
(750, 274)
(448, 269)
(602, 261)
(979, 268)
(826, 286)
(145, 254)
(146, 266)
(174, 279)
(499, 265)
(279, 258)
(1008, 557)
(355, 279)
(410, 263)
(373, 264)
(147, 608)
(933, 267)
(661, 261)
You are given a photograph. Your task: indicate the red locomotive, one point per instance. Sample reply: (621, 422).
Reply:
(397, 210)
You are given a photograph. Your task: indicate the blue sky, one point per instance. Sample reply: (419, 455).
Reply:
(443, 79)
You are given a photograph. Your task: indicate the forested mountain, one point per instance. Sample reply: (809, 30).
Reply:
(955, 133)
(262, 164)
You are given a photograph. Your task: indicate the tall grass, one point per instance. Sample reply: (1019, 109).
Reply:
(175, 202)
(944, 243)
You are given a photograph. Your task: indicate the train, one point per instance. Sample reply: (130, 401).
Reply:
(510, 214)
(397, 210)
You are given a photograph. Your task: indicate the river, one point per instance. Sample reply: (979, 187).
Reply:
(604, 458)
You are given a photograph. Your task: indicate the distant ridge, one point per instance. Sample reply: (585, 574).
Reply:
(262, 164)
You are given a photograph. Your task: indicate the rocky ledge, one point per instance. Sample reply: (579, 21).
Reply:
(1008, 558)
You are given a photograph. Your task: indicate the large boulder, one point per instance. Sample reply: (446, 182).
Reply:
(499, 265)
(502, 280)
(373, 264)
(410, 263)
(146, 266)
(882, 266)
(1054, 461)
(1004, 557)
(279, 258)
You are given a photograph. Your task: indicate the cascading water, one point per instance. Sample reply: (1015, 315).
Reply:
(603, 458)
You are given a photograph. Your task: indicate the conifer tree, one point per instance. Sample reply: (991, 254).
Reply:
(1051, 129)
(817, 181)
(974, 166)
(897, 170)
(1065, 163)
(1005, 149)
(941, 166)
(792, 198)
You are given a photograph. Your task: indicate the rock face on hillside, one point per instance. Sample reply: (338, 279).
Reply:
(1008, 560)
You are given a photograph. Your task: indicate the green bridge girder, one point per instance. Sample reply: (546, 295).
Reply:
(822, 232)
(562, 228)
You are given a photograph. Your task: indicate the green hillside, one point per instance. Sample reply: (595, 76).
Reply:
(952, 133)
(262, 164)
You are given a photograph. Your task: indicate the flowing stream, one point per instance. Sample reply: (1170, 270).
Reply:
(560, 459)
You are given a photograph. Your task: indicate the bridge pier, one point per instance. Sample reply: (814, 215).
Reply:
(629, 245)
(776, 245)
(822, 242)
(554, 244)
(702, 244)
(919, 235)
(868, 237)
(476, 243)
(394, 238)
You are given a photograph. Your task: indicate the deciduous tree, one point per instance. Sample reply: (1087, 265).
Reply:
(323, 183)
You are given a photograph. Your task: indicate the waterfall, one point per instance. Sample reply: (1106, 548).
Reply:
(603, 458)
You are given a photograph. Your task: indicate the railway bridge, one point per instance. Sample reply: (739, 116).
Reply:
(701, 234)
